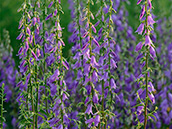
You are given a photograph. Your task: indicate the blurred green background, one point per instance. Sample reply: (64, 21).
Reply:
(9, 18)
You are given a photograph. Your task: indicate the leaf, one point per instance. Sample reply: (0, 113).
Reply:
(138, 105)
(43, 112)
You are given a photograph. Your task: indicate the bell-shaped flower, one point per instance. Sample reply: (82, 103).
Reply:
(140, 109)
(149, 4)
(113, 63)
(139, 46)
(140, 28)
(95, 98)
(49, 6)
(138, 2)
(93, 61)
(148, 41)
(142, 12)
(89, 122)
(112, 83)
(152, 51)
(151, 97)
(97, 120)
(89, 109)
(150, 20)
(95, 42)
(151, 87)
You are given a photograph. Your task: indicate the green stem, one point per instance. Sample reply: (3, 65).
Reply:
(80, 42)
(2, 103)
(44, 22)
(147, 54)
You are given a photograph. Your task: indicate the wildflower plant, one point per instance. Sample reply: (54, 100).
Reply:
(148, 50)
(103, 83)
(2, 96)
(42, 67)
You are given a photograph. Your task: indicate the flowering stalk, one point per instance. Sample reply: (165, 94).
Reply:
(28, 65)
(2, 96)
(149, 50)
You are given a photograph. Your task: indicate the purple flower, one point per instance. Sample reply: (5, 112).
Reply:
(151, 87)
(85, 34)
(95, 98)
(84, 47)
(140, 91)
(142, 12)
(97, 120)
(34, 55)
(170, 97)
(89, 122)
(49, 6)
(140, 109)
(28, 31)
(140, 28)
(138, 2)
(148, 41)
(60, 126)
(152, 98)
(112, 83)
(113, 63)
(20, 50)
(95, 42)
(139, 46)
(89, 109)
(66, 65)
(49, 16)
(150, 20)
(55, 12)
(152, 51)
(94, 29)
(34, 21)
(150, 4)
(20, 36)
(93, 61)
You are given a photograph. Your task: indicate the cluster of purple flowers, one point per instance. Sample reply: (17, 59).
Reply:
(105, 84)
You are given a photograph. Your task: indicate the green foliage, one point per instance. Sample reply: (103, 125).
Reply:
(2, 96)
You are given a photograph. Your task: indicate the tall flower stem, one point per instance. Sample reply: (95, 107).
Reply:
(2, 103)
(36, 76)
(147, 56)
(78, 6)
(103, 90)
(44, 64)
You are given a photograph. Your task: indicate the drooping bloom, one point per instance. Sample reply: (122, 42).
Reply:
(139, 46)
(140, 28)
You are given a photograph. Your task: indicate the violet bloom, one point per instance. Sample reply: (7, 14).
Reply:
(97, 120)
(139, 46)
(142, 12)
(95, 98)
(140, 28)
(152, 98)
(138, 2)
(49, 6)
(89, 122)
(140, 109)
(149, 4)
(150, 20)
(49, 16)
(112, 83)
(89, 109)
(152, 51)
(148, 41)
